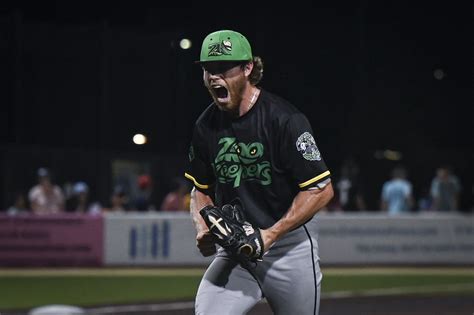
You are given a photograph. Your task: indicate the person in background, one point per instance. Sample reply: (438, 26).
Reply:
(80, 200)
(425, 200)
(46, 197)
(119, 201)
(397, 196)
(349, 190)
(178, 198)
(19, 205)
(445, 190)
(142, 201)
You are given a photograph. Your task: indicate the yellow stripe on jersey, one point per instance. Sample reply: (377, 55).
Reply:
(314, 179)
(195, 181)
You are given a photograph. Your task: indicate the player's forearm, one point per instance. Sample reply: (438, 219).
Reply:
(304, 206)
(199, 201)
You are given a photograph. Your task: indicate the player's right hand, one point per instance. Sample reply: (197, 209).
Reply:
(205, 242)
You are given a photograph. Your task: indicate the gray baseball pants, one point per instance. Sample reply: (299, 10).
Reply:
(289, 277)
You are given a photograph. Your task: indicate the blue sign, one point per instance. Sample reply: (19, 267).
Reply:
(150, 240)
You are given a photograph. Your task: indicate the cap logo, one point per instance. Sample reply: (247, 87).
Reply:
(219, 49)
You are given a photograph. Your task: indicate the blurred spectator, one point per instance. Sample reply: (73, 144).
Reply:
(178, 198)
(118, 201)
(425, 202)
(349, 189)
(79, 202)
(142, 201)
(46, 197)
(445, 190)
(19, 205)
(397, 196)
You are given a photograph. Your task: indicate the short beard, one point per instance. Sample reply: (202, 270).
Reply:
(235, 92)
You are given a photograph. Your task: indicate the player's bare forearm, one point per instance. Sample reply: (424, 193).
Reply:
(198, 201)
(304, 206)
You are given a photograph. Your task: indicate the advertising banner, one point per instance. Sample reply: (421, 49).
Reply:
(161, 239)
(51, 240)
(411, 239)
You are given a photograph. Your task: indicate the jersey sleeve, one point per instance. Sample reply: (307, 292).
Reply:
(198, 169)
(300, 154)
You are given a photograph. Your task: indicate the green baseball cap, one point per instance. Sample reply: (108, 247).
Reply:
(225, 45)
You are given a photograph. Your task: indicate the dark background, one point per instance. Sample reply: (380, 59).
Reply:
(79, 79)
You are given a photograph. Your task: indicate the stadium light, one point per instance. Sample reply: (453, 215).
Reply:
(185, 43)
(139, 139)
(390, 155)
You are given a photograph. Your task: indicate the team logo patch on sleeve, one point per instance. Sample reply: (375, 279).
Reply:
(306, 145)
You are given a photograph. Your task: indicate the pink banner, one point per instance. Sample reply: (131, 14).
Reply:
(51, 240)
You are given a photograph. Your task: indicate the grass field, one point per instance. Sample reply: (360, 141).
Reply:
(26, 288)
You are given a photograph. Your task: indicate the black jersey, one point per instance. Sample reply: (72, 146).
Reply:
(264, 158)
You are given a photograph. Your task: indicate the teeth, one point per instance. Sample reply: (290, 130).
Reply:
(216, 86)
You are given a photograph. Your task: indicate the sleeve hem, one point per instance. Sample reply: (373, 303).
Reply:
(315, 179)
(198, 185)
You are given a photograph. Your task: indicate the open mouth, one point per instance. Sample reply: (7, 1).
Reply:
(220, 92)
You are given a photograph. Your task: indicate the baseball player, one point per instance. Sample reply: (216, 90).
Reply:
(259, 178)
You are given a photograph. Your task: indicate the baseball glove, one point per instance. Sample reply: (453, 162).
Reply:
(232, 232)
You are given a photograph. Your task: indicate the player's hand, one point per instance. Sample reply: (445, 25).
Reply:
(231, 231)
(205, 242)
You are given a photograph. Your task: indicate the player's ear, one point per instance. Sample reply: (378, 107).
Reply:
(248, 68)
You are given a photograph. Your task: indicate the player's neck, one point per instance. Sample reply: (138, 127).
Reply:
(248, 101)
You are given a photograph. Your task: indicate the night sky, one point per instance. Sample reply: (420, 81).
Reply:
(370, 76)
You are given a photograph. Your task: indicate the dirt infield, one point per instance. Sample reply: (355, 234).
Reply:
(382, 305)
(444, 298)
(397, 305)
(374, 305)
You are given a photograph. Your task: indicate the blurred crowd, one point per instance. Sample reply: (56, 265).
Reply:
(396, 196)
(47, 197)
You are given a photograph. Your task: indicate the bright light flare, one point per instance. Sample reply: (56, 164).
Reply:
(390, 155)
(139, 139)
(185, 43)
